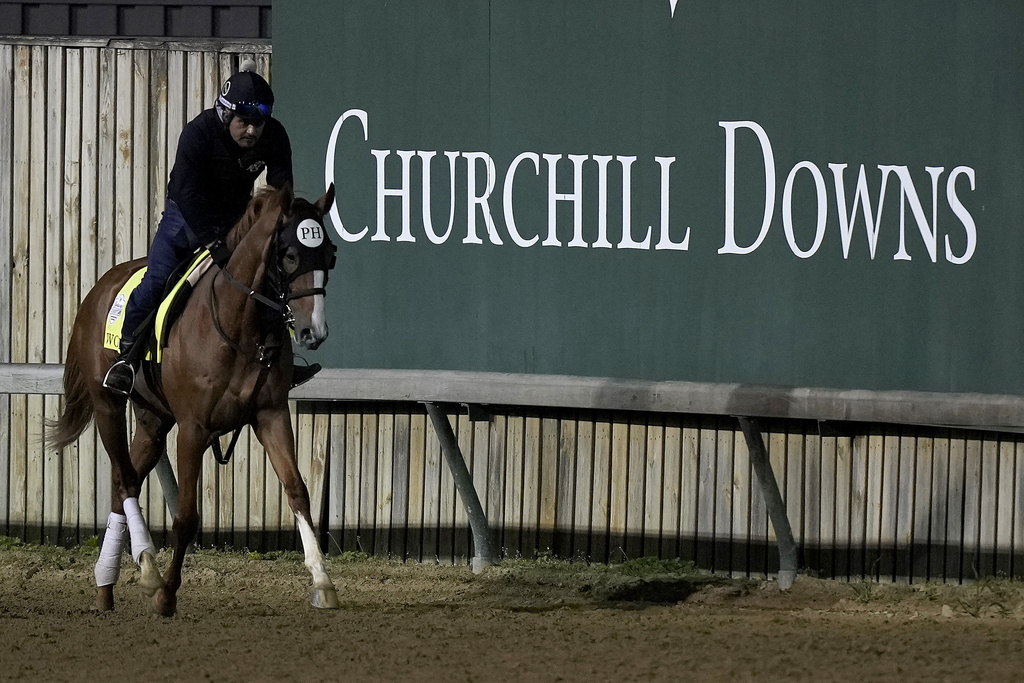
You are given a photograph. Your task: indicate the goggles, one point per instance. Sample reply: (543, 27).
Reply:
(253, 111)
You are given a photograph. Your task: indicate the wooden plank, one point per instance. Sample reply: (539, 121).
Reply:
(565, 490)
(972, 514)
(548, 484)
(988, 497)
(904, 489)
(337, 481)
(706, 485)
(860, 464)
(955, 511)
(431, 495)
(7, 191)
(400, 485)
(600, 512)
(843, 507)
(531, 487)
(385, 486)
(873, 530)
(740, 493)
(140, 154)
(69, 272)
(938, 522)
(446, 502)
(777, 455)
(256, 501)
(513, 508)
(353, 470)
(464, 432)
(480, 470)
(724, 463)
(159, 169)
(38, 270)
(368, 482)
(654, 487)
(923, 504)
(123, 166)
(584, 489)
(1018, 513)
(671, 487)
(635, 480)
(619, 487)
(1004, 509)
(794, 487)
(495, 505)
(813, 501)
(827, 536)
(318, 464)
(689, 477)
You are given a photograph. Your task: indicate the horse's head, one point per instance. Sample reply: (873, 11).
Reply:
(305, 256)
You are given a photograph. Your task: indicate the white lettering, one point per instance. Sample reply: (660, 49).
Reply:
(961, 212)
(787, 209)
(428, 223)
(730, 246)
(400, 191)
(510, 221)
(329, 172)
(627, 241)
(474, 200)
(666, 241)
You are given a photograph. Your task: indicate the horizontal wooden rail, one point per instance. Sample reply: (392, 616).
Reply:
(970, 411)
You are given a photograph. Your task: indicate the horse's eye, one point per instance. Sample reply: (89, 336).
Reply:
(290, 262)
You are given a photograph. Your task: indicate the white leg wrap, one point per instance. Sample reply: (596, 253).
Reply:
(141, 540)
(108, 567)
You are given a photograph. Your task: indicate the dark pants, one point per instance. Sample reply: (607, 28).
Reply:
(170, 247)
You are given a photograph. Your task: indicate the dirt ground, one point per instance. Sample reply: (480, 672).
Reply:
(248, 618)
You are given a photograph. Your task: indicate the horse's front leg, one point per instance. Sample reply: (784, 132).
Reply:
(191, 446)
(274, 431)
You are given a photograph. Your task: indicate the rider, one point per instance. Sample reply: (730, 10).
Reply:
(220, 154)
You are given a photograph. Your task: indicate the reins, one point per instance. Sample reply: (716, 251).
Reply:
(268, 351)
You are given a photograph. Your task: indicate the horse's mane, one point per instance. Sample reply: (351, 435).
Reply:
(263, 199)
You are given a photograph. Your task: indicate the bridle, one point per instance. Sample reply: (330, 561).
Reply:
(279, 283)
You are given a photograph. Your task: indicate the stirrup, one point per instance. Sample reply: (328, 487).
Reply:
(303, 373)
(120, 378)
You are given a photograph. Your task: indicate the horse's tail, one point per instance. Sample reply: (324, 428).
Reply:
(77, 412)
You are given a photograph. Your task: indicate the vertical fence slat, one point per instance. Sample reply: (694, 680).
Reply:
(1003, 508)
(584, 490)
(635, 479)
(654, 487)
(923, 496)
(600, 504)
(564, 490)
(672, 487)
(7, 189)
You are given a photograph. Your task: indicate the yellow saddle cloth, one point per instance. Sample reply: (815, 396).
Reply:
(165, 314)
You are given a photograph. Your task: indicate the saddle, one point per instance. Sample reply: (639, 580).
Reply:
(179, 289)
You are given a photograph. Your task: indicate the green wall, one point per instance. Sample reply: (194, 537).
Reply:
(901, 89)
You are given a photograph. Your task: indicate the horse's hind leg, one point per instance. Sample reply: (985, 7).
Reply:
(127, 473)
(274, 431)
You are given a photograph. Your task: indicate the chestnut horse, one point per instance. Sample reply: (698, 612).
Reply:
(227, 363)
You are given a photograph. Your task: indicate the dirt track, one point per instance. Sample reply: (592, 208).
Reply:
(245, 619)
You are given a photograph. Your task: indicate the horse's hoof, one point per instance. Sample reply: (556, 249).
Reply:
(165, 603)
(104, 599)
(325, 598)
(150, 581)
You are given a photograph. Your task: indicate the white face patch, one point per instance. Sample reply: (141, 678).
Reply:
(310, 233)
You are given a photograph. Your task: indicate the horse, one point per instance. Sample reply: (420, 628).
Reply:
(227, 364)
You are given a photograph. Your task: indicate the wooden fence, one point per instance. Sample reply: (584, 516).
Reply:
(84, 156)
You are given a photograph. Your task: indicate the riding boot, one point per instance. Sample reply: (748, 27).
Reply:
(120, 377)
(303, 373)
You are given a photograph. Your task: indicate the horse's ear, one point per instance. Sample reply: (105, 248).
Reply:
(324, 203)
(285, 196)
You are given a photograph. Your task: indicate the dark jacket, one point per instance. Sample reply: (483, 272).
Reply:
(212, 178)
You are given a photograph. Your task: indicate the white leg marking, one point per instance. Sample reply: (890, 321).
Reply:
(314, 558)
(108, 566)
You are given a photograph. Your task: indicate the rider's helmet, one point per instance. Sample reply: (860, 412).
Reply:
(246, 95)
